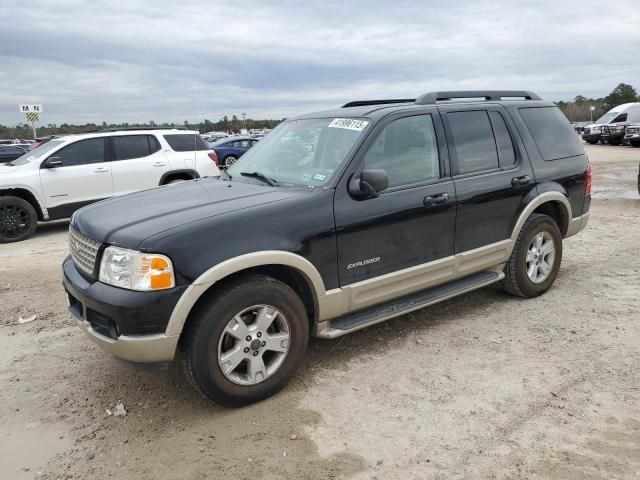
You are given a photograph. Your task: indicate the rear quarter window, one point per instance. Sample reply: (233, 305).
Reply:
(551, 131)
(186, 142)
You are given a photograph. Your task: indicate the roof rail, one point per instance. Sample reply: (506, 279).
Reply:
(124, 129)
(364, 103)
(434, 97)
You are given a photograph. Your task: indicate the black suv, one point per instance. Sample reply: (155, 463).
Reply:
(333, 222)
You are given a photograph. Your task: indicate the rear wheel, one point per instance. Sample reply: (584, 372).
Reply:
(535, 260)
(592, 142)
(245, 341)
(18, 219)
(230, 160)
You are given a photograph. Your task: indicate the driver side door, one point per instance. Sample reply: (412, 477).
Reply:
(82, 177)
(390, 245)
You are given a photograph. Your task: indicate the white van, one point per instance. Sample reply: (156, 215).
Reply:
(610, 127)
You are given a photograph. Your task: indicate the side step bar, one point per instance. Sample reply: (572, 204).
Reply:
(395, 308)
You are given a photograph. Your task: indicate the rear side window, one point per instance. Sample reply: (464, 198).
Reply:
(552, 132)
(186, 142)
(127, 147)
(474, 143)
(506, 152)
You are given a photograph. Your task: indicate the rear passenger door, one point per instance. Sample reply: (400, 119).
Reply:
(137, 163)
(490, 171)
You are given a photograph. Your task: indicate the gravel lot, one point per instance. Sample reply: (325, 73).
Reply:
(481, 386)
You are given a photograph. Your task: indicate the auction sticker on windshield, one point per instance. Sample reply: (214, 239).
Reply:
(349, 124)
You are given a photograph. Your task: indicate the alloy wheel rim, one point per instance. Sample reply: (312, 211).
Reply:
(230, 161)
(254, 345)
(541, 257)
(14, 221)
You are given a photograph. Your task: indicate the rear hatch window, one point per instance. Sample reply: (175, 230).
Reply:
(188, 142)
(552, 132)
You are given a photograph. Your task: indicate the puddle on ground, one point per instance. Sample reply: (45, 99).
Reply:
(610, 194)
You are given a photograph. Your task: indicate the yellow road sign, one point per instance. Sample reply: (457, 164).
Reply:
(32, 116)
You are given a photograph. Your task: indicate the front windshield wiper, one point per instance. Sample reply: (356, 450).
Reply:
(260, 176)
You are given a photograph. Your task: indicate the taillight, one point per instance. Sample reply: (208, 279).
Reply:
(587, 188)
(213, 157)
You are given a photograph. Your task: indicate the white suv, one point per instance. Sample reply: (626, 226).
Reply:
(66, 173)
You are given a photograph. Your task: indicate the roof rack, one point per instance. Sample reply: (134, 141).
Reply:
(124, 129)
(434, 97)
(364, 103)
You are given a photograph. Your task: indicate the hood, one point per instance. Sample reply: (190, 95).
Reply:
(4, 168)
(128, 220)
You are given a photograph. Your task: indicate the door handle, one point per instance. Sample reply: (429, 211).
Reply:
(101, 170)
(159, 164)
(522, 181)
(437, 199)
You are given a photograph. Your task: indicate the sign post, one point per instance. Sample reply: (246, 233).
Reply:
(591, 109)
(32, 112)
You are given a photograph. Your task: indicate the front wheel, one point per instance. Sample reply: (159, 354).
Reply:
(245, 341)
(535, 260)
(592, 142)
(18, 219)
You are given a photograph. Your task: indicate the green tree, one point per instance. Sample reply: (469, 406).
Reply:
(623, 93)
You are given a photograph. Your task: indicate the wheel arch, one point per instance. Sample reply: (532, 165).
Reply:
(290, 268)
(185, 173)
(28, 196)
(553, 203)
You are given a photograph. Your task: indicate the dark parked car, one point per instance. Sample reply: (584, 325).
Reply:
(396, 205)
(230, 149)
(11, 152)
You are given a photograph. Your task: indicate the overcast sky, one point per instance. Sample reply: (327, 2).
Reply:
(126, 61)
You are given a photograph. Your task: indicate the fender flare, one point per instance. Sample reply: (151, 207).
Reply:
(40, 203)
(541, 199)
(237, 264)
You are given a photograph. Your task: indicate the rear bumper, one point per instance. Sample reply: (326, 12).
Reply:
(577, 224)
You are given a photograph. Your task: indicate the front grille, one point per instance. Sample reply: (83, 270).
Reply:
(632, 131)
(83, 251)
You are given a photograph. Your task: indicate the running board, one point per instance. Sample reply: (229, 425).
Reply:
(379, 313)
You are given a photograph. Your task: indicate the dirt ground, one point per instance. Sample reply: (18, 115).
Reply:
(481, 386)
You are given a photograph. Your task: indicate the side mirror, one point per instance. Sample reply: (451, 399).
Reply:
(369, 183)
(53, 162)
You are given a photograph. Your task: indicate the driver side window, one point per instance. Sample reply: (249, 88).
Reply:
(407, 150)
(83, 152)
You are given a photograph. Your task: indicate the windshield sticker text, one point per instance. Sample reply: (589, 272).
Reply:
(349, 124)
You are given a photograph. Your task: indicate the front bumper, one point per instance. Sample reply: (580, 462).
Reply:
(632, 138)
(127, 324)
(591, 137)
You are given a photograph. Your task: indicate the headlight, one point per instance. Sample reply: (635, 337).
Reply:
(134, 270)
(620, 128)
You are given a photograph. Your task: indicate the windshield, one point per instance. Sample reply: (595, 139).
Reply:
(302, 152)
(37, 153)
(607, 117)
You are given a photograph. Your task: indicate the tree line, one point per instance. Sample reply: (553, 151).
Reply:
(225, 124)
(579, 109)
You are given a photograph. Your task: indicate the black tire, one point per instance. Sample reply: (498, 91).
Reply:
(516, 281)
(592, 142)
(635, 144)
(198, 352)
(18, 219)
(615, 142)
